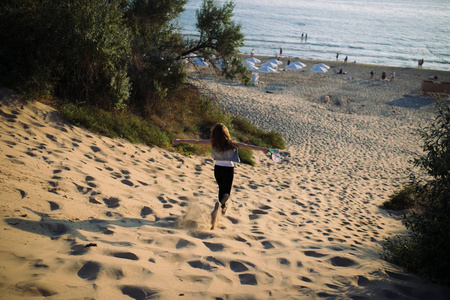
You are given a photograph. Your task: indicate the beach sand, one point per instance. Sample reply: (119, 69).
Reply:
(88, 217)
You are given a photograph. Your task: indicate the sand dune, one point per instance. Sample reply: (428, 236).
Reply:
(85, 216)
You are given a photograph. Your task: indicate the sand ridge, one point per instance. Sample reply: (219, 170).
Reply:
(85, 216)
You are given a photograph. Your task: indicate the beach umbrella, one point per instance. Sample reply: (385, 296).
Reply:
(266, 69)
(252, 67)
(293, 67)
(277, 62)
(270, 64)
(247, 63)
(299, 63)
(253, 60)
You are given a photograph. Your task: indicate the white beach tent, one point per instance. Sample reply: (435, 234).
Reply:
(323, 66)
(252, 67)
(293, 67)
(299, 63)
(277, 62)
(267, 69)
(247, 63)
(320, 68)
(253, 60)
(270, 64)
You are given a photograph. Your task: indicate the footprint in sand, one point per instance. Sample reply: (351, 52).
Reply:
(339, 261)
(89, 180)
(112, 202)
(197, 264)
(284, 262)
(305, 279)
(238, 267)
(314, 254)
(267, 245)
(248, 279)
(95, 149)
(89, 271)
(182, 243)
(51, 137)
(138, 293)
(125, 255)
(127, 182)
(145, 211)
(78, 249)
(53, 205)
(214, 247)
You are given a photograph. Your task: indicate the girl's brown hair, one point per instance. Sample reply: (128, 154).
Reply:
(221, 139)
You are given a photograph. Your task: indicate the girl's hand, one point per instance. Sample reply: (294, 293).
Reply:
(265, 150)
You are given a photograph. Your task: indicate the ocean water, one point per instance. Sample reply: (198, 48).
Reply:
(383, 32)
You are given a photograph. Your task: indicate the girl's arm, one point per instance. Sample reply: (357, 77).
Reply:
(251, 147)
(197, 142)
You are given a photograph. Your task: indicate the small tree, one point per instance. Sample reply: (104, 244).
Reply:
(219, 37)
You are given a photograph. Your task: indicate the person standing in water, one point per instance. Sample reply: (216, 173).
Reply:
(225, 154)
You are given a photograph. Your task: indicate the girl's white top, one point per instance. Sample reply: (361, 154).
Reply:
(225, 158)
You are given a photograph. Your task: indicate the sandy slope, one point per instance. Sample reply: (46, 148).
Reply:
(85, 216)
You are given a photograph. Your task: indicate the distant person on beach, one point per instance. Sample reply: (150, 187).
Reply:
(225, 154)
(288, 62)
(383, 76)
(281, 52)
(371, 74)
(421, 61)
(337, 56)
(252, 53)
(345, 59)
(392, 75)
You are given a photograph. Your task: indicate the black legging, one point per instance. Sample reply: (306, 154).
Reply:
(224, 177)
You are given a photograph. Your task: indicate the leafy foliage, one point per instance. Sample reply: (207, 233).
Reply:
(403, 199)
(427, 248)
(219, 37)
(73, 49)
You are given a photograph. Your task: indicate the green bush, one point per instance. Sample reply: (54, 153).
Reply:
(246, 157)
(115, 124)
(403, 199)
(426, 249)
